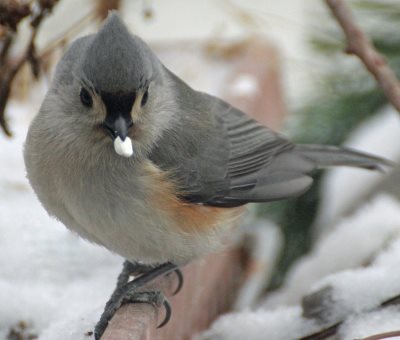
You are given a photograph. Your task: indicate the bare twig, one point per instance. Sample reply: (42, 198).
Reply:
(8, 69)
(382, 336)
(361, 46)
(38, 11)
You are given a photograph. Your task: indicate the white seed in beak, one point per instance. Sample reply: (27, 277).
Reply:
(123, 148)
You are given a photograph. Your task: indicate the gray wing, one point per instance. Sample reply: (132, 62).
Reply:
(221, 157)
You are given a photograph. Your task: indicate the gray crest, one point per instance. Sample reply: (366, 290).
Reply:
(116, 60)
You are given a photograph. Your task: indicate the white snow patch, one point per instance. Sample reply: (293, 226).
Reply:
(354, 242)
(368, 324)
(389, 257)
(358, 290)
(281, 324)
(74, 326)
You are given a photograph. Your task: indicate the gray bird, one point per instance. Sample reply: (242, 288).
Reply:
(128, 156)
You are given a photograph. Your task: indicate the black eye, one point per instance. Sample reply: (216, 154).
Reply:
(86, 98)
(144, 98)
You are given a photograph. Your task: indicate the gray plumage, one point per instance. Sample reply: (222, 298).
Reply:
(225, 158)
(213, 153)
(130, 74)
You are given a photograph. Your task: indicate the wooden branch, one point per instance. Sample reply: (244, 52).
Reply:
(203, 297)
(362, 47)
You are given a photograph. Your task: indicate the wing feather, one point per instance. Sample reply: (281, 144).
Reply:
(219, 156)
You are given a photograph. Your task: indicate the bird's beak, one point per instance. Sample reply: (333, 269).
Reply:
(118, 129)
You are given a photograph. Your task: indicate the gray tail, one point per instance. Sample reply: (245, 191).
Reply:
(326, 156)
(289, 173)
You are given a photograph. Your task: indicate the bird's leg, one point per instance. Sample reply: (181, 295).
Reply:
(128, 291)
(131, 269)
(136, 268)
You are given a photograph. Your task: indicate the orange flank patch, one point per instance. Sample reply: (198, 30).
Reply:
(186, 216)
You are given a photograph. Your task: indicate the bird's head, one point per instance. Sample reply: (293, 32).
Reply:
(107, 85)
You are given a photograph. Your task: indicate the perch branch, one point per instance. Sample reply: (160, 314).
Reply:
(362, 47)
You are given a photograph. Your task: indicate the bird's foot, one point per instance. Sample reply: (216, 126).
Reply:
(156, 299)
(131, 292)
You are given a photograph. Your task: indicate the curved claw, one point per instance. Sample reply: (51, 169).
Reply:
(179, 274)
(168, 313)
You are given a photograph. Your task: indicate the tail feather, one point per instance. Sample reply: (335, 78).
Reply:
(326, 156)
(289, 173)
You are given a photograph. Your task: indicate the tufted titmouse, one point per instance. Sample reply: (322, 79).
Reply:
(128, 156)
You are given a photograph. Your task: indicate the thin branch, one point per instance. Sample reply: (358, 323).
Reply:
(9, 70)
(362, 47)
(382, 336)
(30, 55)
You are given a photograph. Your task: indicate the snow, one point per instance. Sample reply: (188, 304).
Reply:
(354, 241)
(284, 323)
(47, 275)
(371, 236)
(359, 290)
(367, 324)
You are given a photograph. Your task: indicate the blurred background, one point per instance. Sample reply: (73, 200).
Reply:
(283, 62)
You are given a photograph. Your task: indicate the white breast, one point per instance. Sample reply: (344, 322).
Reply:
(112, 208)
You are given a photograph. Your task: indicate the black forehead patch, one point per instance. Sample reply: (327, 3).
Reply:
(119, 102)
